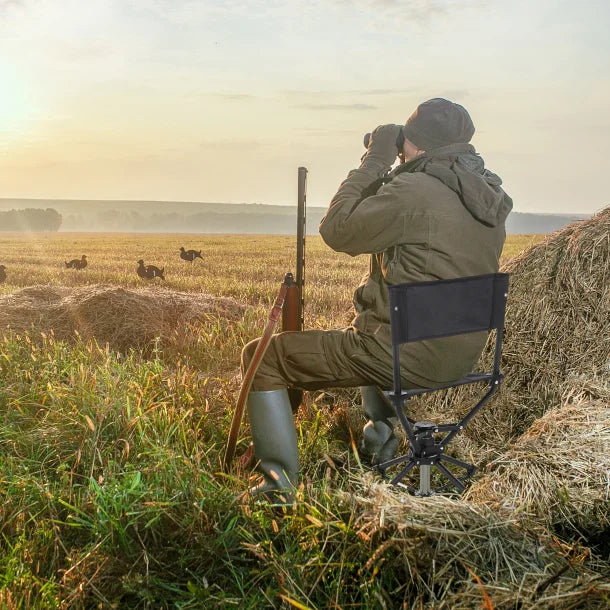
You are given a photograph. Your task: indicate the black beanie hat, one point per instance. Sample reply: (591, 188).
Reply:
(439, 122)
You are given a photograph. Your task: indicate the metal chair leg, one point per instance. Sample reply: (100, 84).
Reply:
(393, 462)
(401, 475)
(424, 480)
(454, 480)
(469, 468)
(426, 451)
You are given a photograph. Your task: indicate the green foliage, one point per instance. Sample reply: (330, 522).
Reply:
(110, 491)
(109, 450)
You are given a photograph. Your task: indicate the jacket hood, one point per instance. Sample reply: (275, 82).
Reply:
(462, 169)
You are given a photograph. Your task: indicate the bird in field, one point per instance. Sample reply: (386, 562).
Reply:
(2, 274)
(77, 263)
(149, 272)
(190, 255)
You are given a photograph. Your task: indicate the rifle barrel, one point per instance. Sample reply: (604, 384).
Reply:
(301, 230)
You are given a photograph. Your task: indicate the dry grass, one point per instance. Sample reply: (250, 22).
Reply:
(558, 322)
(500, 561)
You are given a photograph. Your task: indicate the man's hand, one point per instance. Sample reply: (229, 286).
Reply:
(382, 144)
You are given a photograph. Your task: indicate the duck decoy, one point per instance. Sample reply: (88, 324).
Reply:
(149, 272)
(77, 263)
(190, 255)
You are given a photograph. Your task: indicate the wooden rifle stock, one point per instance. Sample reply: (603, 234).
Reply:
(290, 313)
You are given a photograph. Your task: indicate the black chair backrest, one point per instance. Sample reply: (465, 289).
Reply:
(442, 308)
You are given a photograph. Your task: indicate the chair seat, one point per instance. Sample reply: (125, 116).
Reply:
(470, 378)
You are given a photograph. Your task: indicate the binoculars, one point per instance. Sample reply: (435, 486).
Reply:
(400, 139)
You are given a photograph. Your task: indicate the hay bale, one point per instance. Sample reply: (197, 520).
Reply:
(457, 554)
(558, 313)
(557, 325)
(558, 472)
(450, 532)
(123, 318)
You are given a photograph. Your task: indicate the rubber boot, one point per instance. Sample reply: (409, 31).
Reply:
(378, 441)
(275, 445)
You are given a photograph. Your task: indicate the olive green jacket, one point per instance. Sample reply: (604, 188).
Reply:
(442, 218)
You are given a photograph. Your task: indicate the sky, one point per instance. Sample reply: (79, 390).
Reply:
(185, 100)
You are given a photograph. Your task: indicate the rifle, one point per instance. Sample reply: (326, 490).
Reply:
(294, 305)
(289, 303)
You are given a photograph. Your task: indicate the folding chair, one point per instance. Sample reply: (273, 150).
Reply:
(428, 310)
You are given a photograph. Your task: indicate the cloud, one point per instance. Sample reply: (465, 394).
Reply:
(419, 10)
(338, 106)
(234, 145)
(235, 96)
(316, 131)
(9, 10)
(326, 92)
(377, 92)
(5, 4)
(417, 90)
(195, 12)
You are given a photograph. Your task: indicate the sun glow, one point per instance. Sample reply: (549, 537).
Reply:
(15, 103)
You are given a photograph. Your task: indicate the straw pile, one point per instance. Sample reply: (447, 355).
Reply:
(558, 472)
(439, 529)
(558, 315)
(120, 317)
(456, 554)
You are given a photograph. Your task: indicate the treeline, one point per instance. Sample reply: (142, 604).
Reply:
(192, 217)
(30, 219)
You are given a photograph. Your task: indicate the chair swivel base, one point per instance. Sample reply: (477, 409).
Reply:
(425, 454)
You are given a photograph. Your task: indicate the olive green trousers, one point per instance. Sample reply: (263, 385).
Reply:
(315, 359)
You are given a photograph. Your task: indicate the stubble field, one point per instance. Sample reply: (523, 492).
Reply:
(248, 268)
(111, 493)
